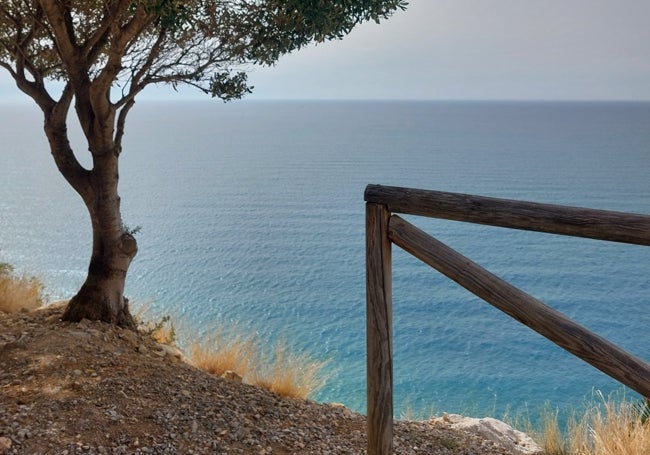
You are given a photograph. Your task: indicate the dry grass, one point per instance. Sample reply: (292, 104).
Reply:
(225, 353)
(554, 441)
(291, 374)
(409, 413)
(606, 428)
(19, 293)
(282, 371)
(616, 430)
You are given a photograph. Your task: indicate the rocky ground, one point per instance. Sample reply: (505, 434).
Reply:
(91, 388)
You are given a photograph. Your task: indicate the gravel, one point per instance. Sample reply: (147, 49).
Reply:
(92, 388)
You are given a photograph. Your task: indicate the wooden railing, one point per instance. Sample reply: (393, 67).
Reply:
(383, 228)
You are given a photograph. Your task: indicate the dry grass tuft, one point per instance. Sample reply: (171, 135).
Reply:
(283, 371)
(553, 438)
(616, 430)
(410, 414)
(225, 353)
(19, 293)
(290, 374)
(609, 428)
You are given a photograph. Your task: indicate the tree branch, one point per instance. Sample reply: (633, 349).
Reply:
(121, 121)
(62, 32)
(57, 134)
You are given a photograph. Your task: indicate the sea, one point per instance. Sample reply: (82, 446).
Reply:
(251, 215)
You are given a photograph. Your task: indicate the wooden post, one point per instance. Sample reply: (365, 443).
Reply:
(379, 331)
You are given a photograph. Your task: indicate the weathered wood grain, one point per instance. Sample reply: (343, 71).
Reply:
(532, 216)
(548, 322)
(379, 331)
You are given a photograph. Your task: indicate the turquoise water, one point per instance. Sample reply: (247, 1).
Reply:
(252, 214)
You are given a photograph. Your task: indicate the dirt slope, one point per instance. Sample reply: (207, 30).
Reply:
(96, 389)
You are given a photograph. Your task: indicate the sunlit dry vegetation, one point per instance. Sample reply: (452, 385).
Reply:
(606, 427)
(281, 370)
(235, 350)
(18, 292)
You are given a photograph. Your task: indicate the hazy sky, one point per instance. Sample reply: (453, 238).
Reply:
(472, 49)
(480, 49)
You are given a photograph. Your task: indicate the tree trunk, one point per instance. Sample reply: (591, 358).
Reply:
(101, 297)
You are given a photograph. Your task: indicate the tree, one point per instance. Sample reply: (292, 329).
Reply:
(98, 55)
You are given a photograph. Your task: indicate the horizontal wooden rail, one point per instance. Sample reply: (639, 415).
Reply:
(543, 319)
(383, 229)
(531, 216)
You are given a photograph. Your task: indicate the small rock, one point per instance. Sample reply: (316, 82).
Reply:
(130, 337)
(232, 376)
(5, 443)
(79, 334)
(97, 333)
(172, 351)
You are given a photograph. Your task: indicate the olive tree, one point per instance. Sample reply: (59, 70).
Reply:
(98, 55)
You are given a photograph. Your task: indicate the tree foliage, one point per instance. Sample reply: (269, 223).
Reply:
(136, 43)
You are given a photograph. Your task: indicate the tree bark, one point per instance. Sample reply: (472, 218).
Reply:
(101, 297)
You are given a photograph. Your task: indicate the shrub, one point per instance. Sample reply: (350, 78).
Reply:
(161, 331)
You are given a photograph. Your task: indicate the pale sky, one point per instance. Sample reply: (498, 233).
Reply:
(470, 49)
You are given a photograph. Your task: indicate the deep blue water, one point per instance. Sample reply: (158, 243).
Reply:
(252, 213)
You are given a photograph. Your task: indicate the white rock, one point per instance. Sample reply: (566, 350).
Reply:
(497, 431)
